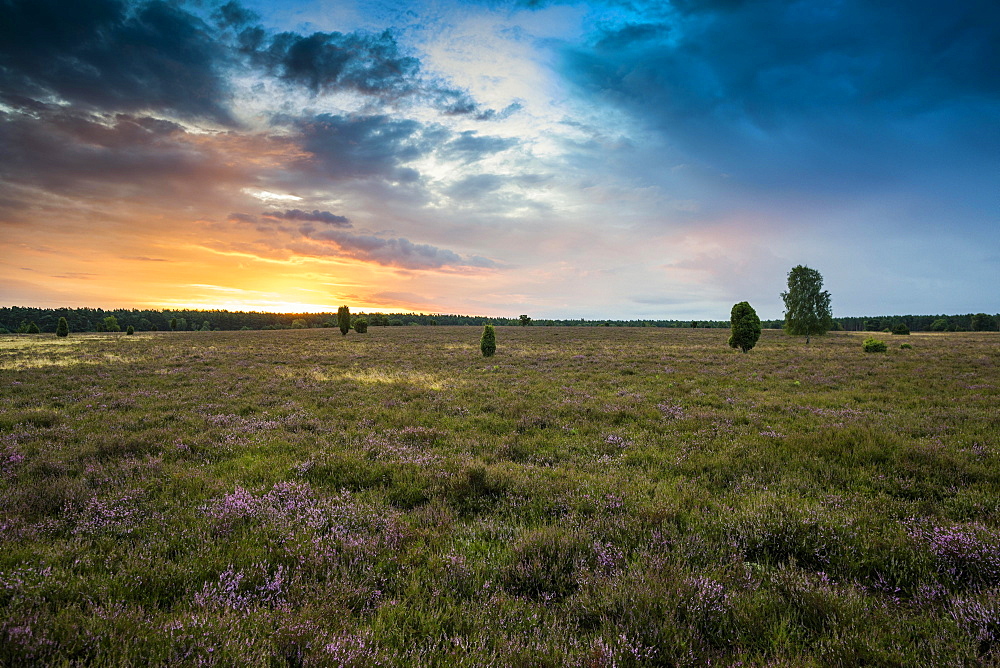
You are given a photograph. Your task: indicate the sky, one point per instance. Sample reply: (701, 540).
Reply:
(625, 159)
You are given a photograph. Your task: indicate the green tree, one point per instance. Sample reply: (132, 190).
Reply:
(63, 328)
(33, 328)
(182, 324)
(130, 331)
(173, 324)
(525, 321)
(900, 329)
(299, 323)
(488, 343)
(360, 325)
(111, 324)
(939, 325)
(982, 323)
(745, 327)
(807, 305)
(344, 320)
(206, 326)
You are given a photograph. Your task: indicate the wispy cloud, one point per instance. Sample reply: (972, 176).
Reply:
(315, 215)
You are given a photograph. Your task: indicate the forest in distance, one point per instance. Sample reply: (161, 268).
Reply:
(17, 319)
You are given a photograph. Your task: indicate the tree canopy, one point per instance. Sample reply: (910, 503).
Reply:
(807, 305)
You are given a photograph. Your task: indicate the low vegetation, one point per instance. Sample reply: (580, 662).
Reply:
(873, 345)
(585, 497)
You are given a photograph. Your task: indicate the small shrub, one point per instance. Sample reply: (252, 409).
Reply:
(63, 328)
(900, 329)
(33, 329)
(874, 346)
(360, 325)
(488, 344)
(905, 346)
(130, 331)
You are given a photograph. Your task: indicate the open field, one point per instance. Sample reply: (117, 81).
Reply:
(588, 496)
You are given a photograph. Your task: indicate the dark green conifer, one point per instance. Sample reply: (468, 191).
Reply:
(745, 327)
(344, 320)
(63, 328)
(488, 344)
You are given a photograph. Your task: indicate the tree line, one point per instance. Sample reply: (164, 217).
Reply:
(19, 319)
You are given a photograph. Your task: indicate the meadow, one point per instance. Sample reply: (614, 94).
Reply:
(586, 497)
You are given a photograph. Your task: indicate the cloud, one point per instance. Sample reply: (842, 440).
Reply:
(79, 153)
(233, 15)
(370, 64)
(113, 55)
(397, 252)
(143, 258)
(454, 102)
(801, 95)
(631, 34)
(361, 147)
(469, 146)
(475, 186)
(326, 217)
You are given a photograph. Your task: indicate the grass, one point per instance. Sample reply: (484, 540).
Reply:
(586, 497)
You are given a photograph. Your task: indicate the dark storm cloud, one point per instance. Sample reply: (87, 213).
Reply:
(791, 92)
(90, 88)
(234, 15)
(317, 216)
(113, 55)
(370, 64)
(154, 55)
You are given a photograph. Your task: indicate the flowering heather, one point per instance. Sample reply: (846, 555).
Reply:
(966, 556)
(242, 590)
(590, 497)
(671, 411)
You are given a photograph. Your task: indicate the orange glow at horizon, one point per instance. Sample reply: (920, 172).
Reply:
(265, 306)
